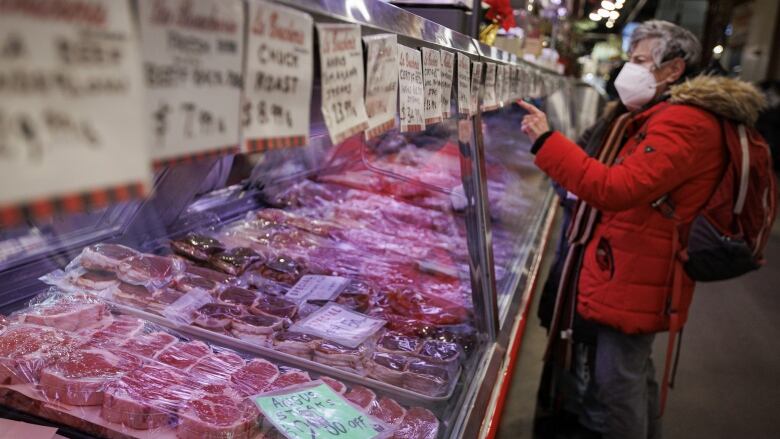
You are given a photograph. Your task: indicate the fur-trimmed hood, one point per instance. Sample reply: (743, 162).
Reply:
(727, 97)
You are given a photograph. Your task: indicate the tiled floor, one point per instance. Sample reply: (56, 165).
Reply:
(728, 381)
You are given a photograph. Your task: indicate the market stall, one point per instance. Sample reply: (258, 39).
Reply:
(341, 206)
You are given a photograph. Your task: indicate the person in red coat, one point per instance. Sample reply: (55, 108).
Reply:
(671, 150)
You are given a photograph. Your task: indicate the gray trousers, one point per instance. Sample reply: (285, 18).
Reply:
(622, 399)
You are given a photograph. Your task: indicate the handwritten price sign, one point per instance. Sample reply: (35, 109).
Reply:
(315, 411)
(192, 51)
(464, 84)
(476, 85)
(411, 89)
(447, 67)
(489, 101)
(381, 83)
(432, 83)
(341, 70)
(341, 325)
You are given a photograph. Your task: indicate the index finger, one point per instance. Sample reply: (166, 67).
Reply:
(528, 107)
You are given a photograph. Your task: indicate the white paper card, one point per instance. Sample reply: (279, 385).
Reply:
(489, 100)
(381, 83)
(341, 72)
(335, 323)
(447, 65)
(192, 54)
(464, 84)
(182, 311)
(277, 87)
(316, 287)
(500, 77)
(411, 89)
(71, 101)
(476, 85)
(432, 84)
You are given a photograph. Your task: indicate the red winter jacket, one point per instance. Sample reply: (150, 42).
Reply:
(626, 274)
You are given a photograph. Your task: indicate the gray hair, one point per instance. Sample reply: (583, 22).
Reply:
(673, 41)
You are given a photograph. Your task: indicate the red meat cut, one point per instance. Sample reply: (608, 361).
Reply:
(120, 329)
(68, 314)
(183, 355)
(334, 384)
(289, 379)
(96, 280)
(254, 377)
(148, 345)
(361, 396)
(26, 349)
(149, 270)
(105, 256)
(418, 423)
(79, 378)
(217, 417)
(387, 410)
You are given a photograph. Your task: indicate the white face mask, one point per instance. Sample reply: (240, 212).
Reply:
(635, 85)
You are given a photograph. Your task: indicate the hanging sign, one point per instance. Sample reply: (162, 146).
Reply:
(192, 52)
(411, 89)
(315, 410)
(500, 76)
(447, 65)
(341, 73)
(476, 84)
(432, 85)
(464, 85)
(506, 94)
(381, 83)
(71, 108)
(489, 100)
(278, 78)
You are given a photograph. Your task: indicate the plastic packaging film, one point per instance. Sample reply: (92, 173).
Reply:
(71, 359)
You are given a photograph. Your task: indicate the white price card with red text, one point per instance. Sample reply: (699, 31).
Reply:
(432, 85)
(411, 89)
(476, 85)
(316, 287)
(278, 78)
(489, 100)
(447, 65)
(336, 323)
(381, 83)
(341, 73)
(192, 53)
(464, 85)
(71, 108)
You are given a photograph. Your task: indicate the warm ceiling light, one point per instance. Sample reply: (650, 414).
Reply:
(604, 13)
(614, 15)
(594, 16)
(610, 24)
(608, 5)
(717, 50)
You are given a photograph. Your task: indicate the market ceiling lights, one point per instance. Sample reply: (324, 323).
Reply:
(594, 16)
(608, 5)
(604, 13)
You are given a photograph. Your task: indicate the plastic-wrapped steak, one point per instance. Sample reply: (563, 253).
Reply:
(274, 305)
(440, 352)
(217, 316)
(137, 295)
(190, 282)
(388, 368)
(105, 256)
(150, 270)
(397, 343)
(238, 296)
(337, 355)
(426, 378)
(256, 327)
(283, 269)
(236, 260)
(296, 343)
(418, 423)
(197, 247)
(97, 280)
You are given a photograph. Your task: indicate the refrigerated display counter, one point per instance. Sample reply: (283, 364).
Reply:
(398, 270)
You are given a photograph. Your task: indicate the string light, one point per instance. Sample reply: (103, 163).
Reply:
(604, 13)
(594, 16)
(608, 5)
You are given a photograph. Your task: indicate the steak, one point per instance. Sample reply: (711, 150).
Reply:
(216, 367)
(235, 261)
(238, 296)
(183, 355)
(149, 270)
(67, 314)
(148, 345)
(105, 256)
(396, 343)
(418, 423)
(361, 396)
(426, 378)
(440, 352)
(217, 316)
(334, 384)
(282, 269)
(96, 280)
(296, 343)
(26, 349)
(276, 306)
(288, 379)
(254, 377)
(337, 355)
(197, 247)
(387, 410)
(256, 327)
(212, 275)
(120, 329)
(388, 368)
(136, 295)
(189, 282)
(221, 416)
(78, 379)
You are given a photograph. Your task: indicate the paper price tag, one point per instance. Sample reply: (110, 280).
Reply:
(476, 84)
(71, 108)
(411, 89)
(277, 88)
(192, 52)
(432, 85)
(505, 84)
(447, 65)
(500, 84)
(314, 410)
(316, 287)
(341, 325)
(341, 72)
(464, 84)
(489, 100)
(183, 309)
(381, 83)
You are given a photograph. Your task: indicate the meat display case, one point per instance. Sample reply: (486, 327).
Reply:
(439, 233)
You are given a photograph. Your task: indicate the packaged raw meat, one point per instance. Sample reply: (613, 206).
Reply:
(217, 366)
(440, 352)
(183, 355)
(334, 384)
(210, 416)
(26, 349)
(296, 343)
(343, 357)
(217, 316)
(388, 368)
(66, 312)
(255, 280)
(235, 261)
(151, 271)
(288, 379)
(80, 377)
(212, 275)
(426, 378)
(189, 282)
(283, 269)
(96, 280)
(162, 298)
(274, 305)
(105, 256)
(197, 247)
(238, 296)
(254, 377)
(361, 396)
(396, 343)
(387, 410)
(418, 423)
(136, 295)
(119, 329)
(256, 327)
(315, 226)
(148, 345)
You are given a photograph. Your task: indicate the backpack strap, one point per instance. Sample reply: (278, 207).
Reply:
(744, 178)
